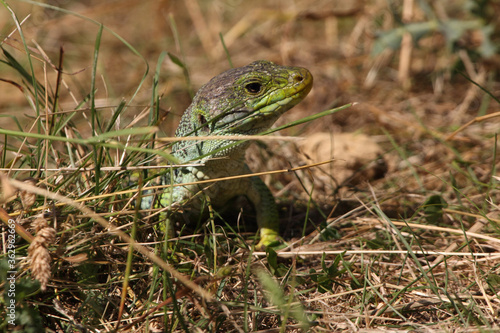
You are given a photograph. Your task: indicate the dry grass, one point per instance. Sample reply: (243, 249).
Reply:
(408, 244)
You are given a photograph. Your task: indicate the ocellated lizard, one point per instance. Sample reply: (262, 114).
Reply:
(241, 101)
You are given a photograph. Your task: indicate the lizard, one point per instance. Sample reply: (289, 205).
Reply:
(240, 101)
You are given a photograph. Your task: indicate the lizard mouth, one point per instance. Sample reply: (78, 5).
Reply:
(271, 106)
(282, 99)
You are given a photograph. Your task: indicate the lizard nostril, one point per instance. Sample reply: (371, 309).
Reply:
(298, 78)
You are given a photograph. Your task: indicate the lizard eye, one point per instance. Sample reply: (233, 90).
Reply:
(253, 87)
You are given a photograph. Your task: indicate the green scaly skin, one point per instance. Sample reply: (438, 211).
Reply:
(240, 101)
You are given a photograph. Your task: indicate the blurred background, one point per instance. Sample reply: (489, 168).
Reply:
(402, 58)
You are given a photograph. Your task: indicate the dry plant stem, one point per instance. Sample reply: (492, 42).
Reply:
(405, 60)
(5, 217)
(490, 255)
(454, 231)
(406, 47)
(477, 227)
(475, 120)
(380, 61)
(349, 48)
(61, 309)
(15, 30)
(478, 78)
(480, 284)
(472, 233)
(392, 120)
(181, 293)
(163, 187)
(113, 229)
(331, 223)
(87, 169)
(230, 315)
(201, 26)
(229, 137)
(452, 211)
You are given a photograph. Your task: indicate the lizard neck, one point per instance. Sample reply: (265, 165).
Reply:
(205, 150)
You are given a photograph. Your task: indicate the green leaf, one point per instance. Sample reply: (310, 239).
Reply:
(433, 208)
(272, 260)
(453, 30)
(493, 281)
(176, 60)
(487, 48)
(286, 304)
(392, 39)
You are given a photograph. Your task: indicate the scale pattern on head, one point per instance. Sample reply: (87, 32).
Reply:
(241, 101)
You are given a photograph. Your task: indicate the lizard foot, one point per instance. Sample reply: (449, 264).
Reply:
(268, 238)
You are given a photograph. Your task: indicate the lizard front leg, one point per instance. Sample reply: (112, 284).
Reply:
(267, 212)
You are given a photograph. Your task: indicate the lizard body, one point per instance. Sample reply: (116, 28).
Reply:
(241, 101)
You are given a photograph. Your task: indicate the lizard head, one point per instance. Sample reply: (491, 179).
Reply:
(249, 99)
(243, 101)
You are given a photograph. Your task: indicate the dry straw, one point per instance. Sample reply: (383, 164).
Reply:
(39, 253)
